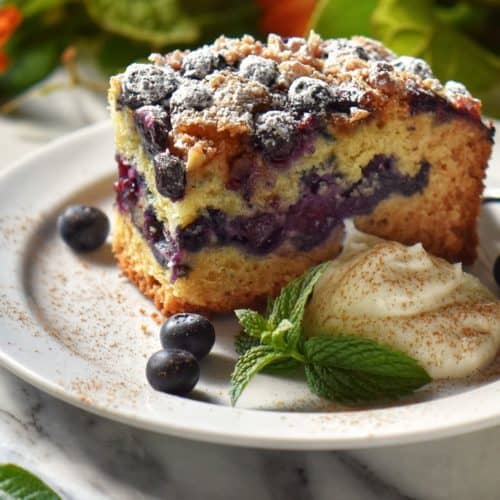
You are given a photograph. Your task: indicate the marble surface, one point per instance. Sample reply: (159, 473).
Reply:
(87, 457)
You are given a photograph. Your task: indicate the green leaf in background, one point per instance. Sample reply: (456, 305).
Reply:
(407, 31)
(34, 51)
(19, 484)
(159, 22)
(343, 18)
(114, 53)
(416, 28)
(31, 8)
(492, 3)
(223, 17)
(350, 369)
(29, 67)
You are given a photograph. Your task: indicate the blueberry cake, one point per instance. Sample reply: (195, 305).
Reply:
(238, 163)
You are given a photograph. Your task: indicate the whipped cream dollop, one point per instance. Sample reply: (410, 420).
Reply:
(406, 298)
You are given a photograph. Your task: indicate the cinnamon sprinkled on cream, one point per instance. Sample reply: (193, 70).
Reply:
(406, 298)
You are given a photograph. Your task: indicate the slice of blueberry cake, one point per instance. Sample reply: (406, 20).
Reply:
(239, 162)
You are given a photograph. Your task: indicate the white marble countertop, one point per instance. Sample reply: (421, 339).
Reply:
(85, 457)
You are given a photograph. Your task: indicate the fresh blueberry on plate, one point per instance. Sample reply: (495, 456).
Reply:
(83, 228)
(188, 331)
(174, 371)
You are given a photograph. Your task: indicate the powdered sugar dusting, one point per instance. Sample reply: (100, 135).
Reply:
(227, 85)
(413, 65)
(260, 69)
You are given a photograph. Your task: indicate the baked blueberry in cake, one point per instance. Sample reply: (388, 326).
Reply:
(239, 162)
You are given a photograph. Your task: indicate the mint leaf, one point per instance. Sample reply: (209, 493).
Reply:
(253, 323)
(282, 366)
(291, 302)
(19, 484)
(248, 365)
(351, 369)
(279, 335)
(243, 342)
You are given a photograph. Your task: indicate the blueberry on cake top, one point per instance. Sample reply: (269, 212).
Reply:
(238, 163)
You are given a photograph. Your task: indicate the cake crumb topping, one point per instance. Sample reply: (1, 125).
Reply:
(227, 85)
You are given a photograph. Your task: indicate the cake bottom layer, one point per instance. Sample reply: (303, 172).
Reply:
(221, 278)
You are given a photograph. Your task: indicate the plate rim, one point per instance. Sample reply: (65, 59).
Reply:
(232, 436)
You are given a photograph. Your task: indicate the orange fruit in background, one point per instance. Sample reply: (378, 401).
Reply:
(10, 19)
(285, 17)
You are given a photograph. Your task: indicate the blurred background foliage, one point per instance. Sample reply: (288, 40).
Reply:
(460, 39)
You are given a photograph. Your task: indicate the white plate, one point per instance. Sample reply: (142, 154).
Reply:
(75, 328)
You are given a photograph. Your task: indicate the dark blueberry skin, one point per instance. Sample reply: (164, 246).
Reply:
(193, 96)
(163, 245)
(145, 84)
(202, 62)
(127, 186)
(345, 98)
(173, 371)
(153, 124)
(194, 236)
(191, 332)
(310, 95)
(259, 234)
(259, 69)
(276, 135)
(83, 228)
(496, 270)
(170, 176)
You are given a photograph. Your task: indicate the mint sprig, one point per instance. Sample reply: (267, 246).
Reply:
(343, 368)
(285, 366)
(252, 322)
(350, 369)
(249, 364)
(19, 484)
(291, 303)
